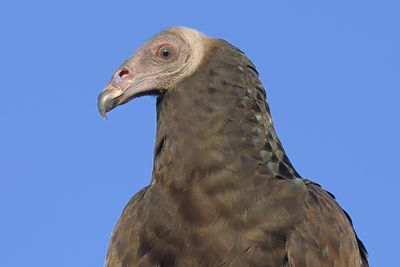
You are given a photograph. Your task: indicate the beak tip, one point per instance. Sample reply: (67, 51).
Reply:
(102, 111)
(106, 102)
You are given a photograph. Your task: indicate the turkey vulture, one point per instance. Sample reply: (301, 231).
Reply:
(223, 192)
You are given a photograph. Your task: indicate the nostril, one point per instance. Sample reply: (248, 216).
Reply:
(122, 74)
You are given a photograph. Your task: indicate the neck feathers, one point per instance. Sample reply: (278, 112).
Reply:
(217, 122)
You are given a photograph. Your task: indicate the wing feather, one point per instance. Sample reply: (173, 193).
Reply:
(326, 236)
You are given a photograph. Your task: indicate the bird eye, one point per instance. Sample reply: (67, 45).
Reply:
(166, 52)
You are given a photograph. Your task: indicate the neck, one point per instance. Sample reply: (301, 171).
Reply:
(215, 128)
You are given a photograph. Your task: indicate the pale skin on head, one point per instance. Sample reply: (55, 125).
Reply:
(158, 65)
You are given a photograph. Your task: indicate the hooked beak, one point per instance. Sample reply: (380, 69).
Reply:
(121, 85)
(108, 100)
(124, 86)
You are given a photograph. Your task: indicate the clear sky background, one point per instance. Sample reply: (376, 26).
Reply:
(332, 74)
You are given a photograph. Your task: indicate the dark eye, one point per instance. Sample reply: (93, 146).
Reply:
(166, 52)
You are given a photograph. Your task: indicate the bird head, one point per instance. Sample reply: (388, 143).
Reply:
(155, 68)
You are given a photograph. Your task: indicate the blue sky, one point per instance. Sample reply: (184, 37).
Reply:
(331, 71)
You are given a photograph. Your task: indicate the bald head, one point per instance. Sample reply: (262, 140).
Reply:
(157, 66)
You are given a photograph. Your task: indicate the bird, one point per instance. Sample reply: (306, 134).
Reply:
(223, 191)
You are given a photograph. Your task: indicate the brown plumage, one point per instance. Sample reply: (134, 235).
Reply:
(223, 192)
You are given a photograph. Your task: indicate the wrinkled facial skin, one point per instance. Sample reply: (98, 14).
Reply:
(154, 68)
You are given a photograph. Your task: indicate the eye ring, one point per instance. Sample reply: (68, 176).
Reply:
(166, 52)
